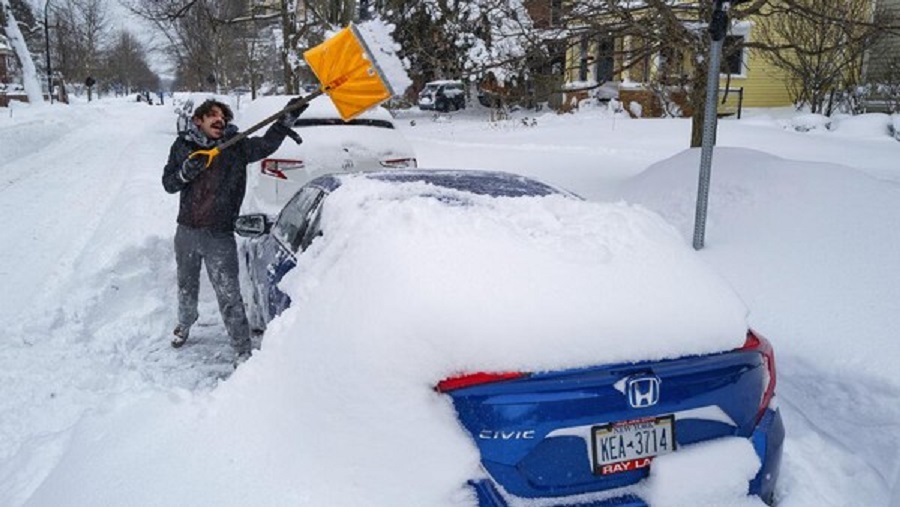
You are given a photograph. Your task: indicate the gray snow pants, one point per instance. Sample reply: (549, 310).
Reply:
(218, 251)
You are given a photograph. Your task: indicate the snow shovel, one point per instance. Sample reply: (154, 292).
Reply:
(348, 74)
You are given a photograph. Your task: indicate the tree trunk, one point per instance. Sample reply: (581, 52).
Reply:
(288, 28)
(698, 101)
(29, 73)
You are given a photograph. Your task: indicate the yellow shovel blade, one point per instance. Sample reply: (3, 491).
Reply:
(348, 73)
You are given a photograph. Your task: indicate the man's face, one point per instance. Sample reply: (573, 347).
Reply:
(213, 123)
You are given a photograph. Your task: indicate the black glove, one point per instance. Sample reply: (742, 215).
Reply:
(289, 118)
(192, 167)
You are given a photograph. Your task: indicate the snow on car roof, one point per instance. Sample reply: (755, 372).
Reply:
(604, 282)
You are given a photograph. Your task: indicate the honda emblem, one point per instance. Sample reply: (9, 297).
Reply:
(642, 390)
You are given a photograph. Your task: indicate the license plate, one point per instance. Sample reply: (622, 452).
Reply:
(629, 445)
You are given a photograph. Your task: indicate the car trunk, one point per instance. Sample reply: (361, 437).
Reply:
(536, 434)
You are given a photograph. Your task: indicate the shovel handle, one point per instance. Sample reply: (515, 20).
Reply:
(209, 154)
(262, 123)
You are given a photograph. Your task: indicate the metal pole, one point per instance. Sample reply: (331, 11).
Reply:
(47, 49)
(717, 30)
(363, 12)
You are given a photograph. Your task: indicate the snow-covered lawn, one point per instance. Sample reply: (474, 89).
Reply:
(97, 409)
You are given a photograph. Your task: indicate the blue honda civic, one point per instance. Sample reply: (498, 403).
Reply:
(585, 436)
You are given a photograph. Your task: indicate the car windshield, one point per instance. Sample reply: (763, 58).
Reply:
(498, 185)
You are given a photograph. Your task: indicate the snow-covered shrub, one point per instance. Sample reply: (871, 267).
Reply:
(636, 109)
(894, 126)
(615, 107)
(808, 122)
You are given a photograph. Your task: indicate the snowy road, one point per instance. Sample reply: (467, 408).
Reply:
(88, 275)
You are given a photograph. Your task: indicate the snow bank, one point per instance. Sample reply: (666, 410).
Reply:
(760, 206)
(871, 125)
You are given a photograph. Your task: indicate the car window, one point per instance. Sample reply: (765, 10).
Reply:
(294, 219)
(365, 122)
(313, 230)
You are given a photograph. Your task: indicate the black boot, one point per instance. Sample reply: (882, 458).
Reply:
(181, 335)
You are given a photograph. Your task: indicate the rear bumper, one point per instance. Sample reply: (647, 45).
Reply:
(489, 496)
(767, 440)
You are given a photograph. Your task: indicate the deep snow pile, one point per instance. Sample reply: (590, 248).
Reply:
(402, 292)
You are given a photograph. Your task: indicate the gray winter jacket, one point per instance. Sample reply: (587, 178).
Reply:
(213, 199)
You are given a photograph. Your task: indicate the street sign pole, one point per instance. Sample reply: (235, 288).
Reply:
(47, 49)
(717, 30)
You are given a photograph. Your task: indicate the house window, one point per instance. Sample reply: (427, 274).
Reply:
(556, 12)
(733, 55)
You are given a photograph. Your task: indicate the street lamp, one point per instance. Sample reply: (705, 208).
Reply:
(47, 49)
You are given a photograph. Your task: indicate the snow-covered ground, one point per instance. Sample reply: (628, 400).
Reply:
(97, 408)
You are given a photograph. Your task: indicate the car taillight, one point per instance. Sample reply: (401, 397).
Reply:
(756, 343)
(475, 379)
(399, 163)
(275, 167)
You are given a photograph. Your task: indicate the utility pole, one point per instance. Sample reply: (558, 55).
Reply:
(47, 49)
(718, 27)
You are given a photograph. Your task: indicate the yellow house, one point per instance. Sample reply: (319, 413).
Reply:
(652, 77)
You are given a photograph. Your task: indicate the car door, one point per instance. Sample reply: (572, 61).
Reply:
(288, 237)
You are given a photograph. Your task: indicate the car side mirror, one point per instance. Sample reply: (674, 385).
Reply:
(251, 226)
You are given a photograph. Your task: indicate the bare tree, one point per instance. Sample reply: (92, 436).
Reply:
(80, 35)
(646, 30)
(662, 42)
(125, 68)
(210, 40)
(821, 45)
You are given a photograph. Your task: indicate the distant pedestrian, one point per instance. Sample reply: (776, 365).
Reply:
(211, 199)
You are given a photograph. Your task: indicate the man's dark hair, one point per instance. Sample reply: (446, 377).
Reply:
(206, 107)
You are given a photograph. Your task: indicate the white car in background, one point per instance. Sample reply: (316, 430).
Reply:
(369, 142)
